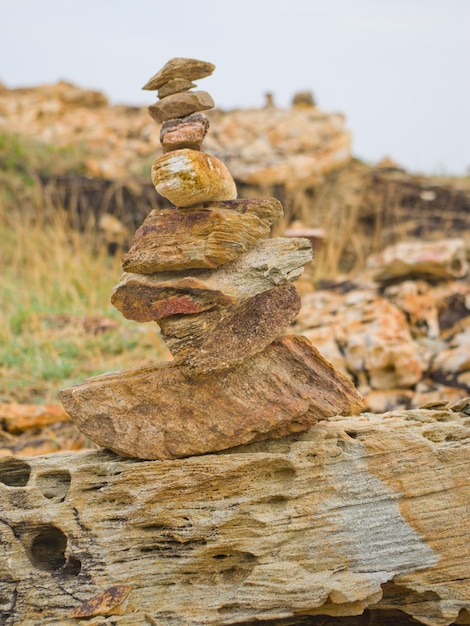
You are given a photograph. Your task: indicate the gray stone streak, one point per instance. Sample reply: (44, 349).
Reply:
(345, 516)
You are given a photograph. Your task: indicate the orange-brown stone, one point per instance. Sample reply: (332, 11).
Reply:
(157, 412)
(184, 132)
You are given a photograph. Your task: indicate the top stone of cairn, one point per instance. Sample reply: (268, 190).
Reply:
(182, 68)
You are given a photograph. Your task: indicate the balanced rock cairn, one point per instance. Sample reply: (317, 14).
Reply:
(221, 292)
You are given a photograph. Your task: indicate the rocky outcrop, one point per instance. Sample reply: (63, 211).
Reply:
(442, 260)
(260, 146)
(402, 337)
(356, 514)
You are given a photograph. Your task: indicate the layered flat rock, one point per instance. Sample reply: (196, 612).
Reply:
(179, 67)
(216, 340)
(175, 86)
(184, 132)
(156, 412)
(180, 104)
(269, 263)
(189, 177)
(200, 237)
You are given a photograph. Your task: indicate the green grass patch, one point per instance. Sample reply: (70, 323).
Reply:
(57, 325)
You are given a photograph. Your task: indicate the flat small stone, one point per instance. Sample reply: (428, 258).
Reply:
(184, 132)
(141, 301)
(200, 237)
(179, 67)
(461, 406)
(269, 263)
(189, 177)
(158, 412)
(225, 337)
(177, 85)
(180, 104)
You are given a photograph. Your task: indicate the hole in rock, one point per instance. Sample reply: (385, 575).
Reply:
(229, 568)
(380, 617)
(54, 485)
(47, 548)
(14, 472)
(278, 499)
(73, 567)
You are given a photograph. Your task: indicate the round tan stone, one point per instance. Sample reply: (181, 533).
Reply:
(188, 177)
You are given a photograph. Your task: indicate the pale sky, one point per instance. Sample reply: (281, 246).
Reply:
(398, 69)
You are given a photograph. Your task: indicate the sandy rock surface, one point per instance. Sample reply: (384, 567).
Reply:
(367, 512)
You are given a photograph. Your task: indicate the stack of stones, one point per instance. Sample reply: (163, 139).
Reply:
(221, 292)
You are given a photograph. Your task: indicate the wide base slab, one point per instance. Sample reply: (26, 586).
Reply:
(361, 517)
(156, 412)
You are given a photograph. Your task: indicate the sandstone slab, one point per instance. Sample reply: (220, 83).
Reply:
(269, 263)
(156, 412)
(189, 177)
(438, 260)
(372, 335)
(200, 237)
(216, 340)
(180, 104)
(377, 343)
(184, 132)
(362, 517)
(179, 67)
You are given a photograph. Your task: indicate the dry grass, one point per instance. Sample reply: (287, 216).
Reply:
(57, 326)
(334, 205)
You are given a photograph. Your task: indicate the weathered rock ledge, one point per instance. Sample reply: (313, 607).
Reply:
(368, 512)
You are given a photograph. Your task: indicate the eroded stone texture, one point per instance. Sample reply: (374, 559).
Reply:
(221, 338)
(356, 513)
(180, 104)
(184, 132)
(270, 262)
(156, 412)
(189, 177)
(200, 237)
(179, 67)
